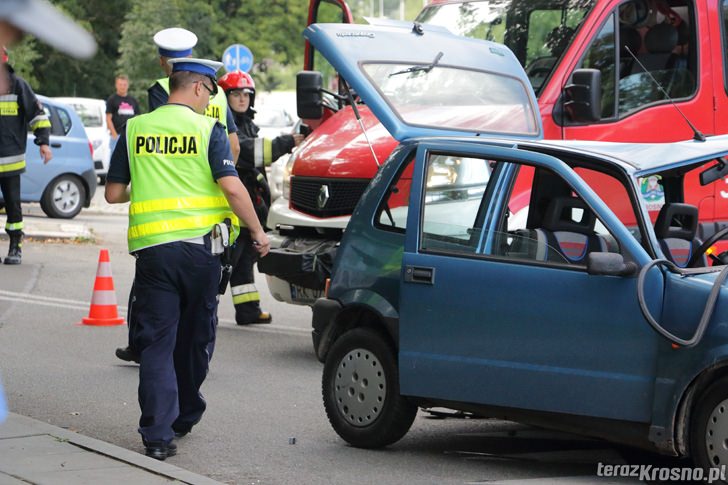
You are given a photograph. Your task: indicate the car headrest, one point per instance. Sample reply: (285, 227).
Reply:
(678, 221)
(629, 37)
(661, 39)
(559, 216)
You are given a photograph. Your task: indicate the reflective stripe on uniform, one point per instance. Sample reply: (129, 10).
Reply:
(180, 203)
(11, 163)
(240, 289)
(267, 151)
(14, 226)
(246, 298)
(244, 294)
(173, 225)
(9, 108)
(40, 121)
(258, 152)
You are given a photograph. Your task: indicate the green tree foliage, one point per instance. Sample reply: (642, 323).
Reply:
(124, 30)
(59, 75)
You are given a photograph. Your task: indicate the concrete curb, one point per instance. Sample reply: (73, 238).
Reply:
(111, 451)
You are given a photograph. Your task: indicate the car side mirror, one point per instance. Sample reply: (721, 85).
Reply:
(583, 96)
(609, 264)
(309, 95)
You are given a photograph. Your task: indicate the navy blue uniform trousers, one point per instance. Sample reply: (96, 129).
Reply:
(175, 316)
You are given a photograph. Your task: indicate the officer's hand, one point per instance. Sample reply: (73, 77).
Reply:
(261, 242)
(297, 138)
(45, 153)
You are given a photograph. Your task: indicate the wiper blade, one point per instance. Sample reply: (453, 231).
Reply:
(426, 68)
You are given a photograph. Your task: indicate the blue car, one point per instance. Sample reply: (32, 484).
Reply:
(67, 183)
(489, 271)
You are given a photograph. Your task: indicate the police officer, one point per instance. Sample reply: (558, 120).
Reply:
(20, 110)
(172, 43)
(255, 153)
(183, 183)
(176, 42)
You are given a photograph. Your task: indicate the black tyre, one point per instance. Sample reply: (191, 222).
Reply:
(709, 428)
(64, 197)
(361, 390)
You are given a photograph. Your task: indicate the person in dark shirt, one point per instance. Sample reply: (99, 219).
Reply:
(120, 107)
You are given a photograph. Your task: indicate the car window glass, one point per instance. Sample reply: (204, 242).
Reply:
(453, 196)
(538, 33)
(664, 48)
(546, 221)
(615, 195)
(392, 213)
(602, 57)
(91, 115)
(65, 120)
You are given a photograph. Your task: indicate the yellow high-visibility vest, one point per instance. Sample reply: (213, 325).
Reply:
(173, 194)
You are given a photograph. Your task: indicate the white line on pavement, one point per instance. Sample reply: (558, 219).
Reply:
(81, 305)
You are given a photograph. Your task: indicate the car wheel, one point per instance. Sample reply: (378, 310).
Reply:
(63, 198)
(361, 390)
(709, 428)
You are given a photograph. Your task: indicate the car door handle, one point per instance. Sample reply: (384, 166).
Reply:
(419, 274)
(56, 145)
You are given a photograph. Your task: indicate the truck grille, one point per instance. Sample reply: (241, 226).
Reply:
(340, 196)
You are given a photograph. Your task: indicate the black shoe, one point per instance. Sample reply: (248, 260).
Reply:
(182, 429)
(128, 354)
(262, 319)
(160, 451)
(15, 254)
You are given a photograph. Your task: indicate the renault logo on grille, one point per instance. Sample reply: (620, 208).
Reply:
(323, 197)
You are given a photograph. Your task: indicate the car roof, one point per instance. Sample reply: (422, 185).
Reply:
(67, 99)
(637, 159)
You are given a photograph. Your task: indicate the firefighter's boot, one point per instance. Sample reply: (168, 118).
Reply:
(15, 253)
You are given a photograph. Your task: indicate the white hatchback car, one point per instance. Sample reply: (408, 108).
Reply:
(93, 116)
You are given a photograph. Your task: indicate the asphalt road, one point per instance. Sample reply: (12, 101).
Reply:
(265, 422)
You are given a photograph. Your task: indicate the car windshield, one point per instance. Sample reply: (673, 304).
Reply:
(438, 96)
(537, 32)
(91, 116)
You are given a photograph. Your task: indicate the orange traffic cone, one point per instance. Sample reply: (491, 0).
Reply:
(103, 309)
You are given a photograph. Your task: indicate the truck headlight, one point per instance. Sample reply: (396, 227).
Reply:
(287, 171)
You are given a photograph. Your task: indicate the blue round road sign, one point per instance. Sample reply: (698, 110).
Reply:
(237, 57)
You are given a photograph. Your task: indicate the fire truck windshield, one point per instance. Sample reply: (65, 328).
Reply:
(538, 32)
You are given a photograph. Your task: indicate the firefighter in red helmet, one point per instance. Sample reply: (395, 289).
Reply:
(255, 154)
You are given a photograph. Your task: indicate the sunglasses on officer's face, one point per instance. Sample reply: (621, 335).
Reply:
(213, 90)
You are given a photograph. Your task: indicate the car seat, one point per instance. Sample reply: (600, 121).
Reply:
(568, 239)
(660, 42)
(675, 228)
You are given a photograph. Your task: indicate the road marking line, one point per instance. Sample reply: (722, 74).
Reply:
(81, 305)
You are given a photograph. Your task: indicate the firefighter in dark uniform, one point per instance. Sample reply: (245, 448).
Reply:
(19, 109)
(184, 188)
(176, 43)
(255, 154)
